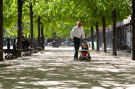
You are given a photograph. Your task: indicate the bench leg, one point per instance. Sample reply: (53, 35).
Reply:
(19, 54)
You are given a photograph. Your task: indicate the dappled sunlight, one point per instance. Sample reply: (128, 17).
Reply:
(63, 87)
(46, 83)
(106, 69)
(57, 64)
(1, 85)
(41, 69)
(56, 69)
(67, 83)
(9, 78)
(118, 85)
(97, 88)
(16, 87)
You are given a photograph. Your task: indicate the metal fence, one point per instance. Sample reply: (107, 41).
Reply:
(123, 38)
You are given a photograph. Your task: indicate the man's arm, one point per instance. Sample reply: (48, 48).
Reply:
(72, 34)
(83, 34)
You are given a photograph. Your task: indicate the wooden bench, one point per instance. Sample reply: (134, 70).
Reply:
(26, 52)
(11, 53)
(39, 48)
(32, 50)
(35, 50)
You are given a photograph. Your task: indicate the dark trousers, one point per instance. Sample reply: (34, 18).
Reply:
(76, 47)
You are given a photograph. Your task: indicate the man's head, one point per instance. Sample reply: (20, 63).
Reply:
(22, 37)
(79, 23)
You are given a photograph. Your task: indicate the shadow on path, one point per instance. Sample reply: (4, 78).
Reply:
(56, 69)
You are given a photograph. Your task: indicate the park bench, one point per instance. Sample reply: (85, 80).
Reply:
(35, 50)
(32, 50)
(38, 48)
(11, 53)
(26, 52)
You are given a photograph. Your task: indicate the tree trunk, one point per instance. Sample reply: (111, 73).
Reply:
(97, 34)
(34, 39)
(53, 38)
(133, 30)
(25, 35)
(85, 35)
(42, 37)
(1, 30)
(114, 33)
(104, 35)
(19, 39)
(53, 35)
(31, 25)
(29, 36)
(92, 40)
(39, 40)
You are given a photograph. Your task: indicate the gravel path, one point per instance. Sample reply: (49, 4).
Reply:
(54, 68)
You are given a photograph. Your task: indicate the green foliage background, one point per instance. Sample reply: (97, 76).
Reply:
(61, 15)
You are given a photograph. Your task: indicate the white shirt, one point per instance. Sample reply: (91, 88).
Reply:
(77, 32)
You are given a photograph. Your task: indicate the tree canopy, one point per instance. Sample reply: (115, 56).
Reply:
(61, 15)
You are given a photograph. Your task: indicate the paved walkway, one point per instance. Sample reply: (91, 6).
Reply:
(54, 68)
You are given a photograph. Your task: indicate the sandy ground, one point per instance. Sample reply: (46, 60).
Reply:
(54, 68)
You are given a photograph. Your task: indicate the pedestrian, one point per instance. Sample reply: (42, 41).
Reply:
(25, 43)
(75, 35)
(5, 41)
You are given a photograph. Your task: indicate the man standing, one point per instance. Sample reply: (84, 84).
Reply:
(75, 35)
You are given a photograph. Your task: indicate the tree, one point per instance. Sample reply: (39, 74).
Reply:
(42, 37)
(104, 35)
(53, 13)
(133, 30)
(114, 33)
(19, 39)
(97, 35)
(29, 5)
(31, 24)
(92, 39)
(10, 13)
(1, 30)
(39, 32)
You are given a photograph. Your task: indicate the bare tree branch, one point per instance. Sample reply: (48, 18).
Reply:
(27, 6)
